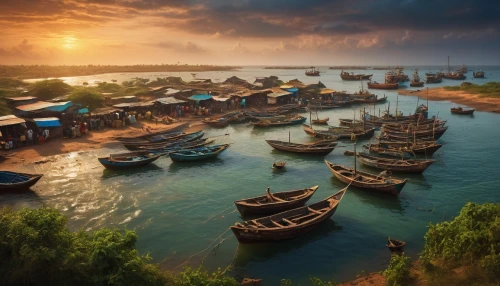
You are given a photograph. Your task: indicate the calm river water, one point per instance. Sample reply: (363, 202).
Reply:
(168, 204)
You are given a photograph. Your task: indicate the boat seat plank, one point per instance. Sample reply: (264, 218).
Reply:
(304, 217)
(313, 210)
(257, 223)
(289, 222)
(277, 224)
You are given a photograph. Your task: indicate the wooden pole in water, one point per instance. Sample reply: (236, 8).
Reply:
(364, 116)
(427, 98)
(355, 158)
(397, 105)
(288, 136)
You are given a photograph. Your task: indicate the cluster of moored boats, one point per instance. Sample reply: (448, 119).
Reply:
(402, 142)
(178, 145)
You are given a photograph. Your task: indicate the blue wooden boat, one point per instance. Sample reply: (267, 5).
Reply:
(128, 160)
(198, 153)
(17, 181)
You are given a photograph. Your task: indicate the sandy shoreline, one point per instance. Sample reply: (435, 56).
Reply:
(475, 101)
(37, 154)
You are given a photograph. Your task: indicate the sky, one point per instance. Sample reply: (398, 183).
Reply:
(250, 32)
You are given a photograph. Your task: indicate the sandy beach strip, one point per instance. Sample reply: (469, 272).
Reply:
(471, 100)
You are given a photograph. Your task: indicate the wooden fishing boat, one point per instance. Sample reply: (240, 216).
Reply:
(376, 85)
(478, 74)
(334, 133)
(312, 72)
(275, 203)
(320, 147)
(436, 133)
(216, 122)
(354, 77)
(156, 138)
(413, 126)
(395, 245)
(454, 75)
(460, 110)
(164, 132)
(427, 148)
(285, 122)
(279, 165)
(325, 106)
(17, 181)
(288, 224)
(321, 121)
(128, 160)
(181, 146)
(367, 181)
(416, 84)
(395, 165)
(198, 154)
(372, 100)
(388, 152)
(433, 78)
(156, 145)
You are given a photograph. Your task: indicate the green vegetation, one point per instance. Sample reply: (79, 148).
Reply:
(466, 250)
(10, 88)
(398, 271)
(489, 89)
(37, 248)
(87, 96)
(49, 89)
(43, 71)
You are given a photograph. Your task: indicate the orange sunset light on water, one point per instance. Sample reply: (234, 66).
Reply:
(256, 32)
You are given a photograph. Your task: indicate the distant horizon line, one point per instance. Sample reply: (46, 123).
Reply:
(236, 65)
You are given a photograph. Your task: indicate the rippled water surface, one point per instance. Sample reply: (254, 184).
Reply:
(168, 204)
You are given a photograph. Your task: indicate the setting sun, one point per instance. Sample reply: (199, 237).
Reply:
(69, 43)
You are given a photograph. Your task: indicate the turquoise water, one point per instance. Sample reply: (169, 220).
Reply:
(168, 204)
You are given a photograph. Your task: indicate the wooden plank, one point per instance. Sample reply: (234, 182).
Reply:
(277, 224)
(290, 222)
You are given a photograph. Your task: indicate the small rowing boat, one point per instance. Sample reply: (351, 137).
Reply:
(17, 181)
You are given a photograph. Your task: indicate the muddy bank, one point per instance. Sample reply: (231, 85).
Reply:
(475, 101)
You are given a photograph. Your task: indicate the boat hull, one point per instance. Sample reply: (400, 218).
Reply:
(248, 236)
(17, 181)
(121, 165)
(410, 168)
(301, 150)
(393, 189)
(383, 85)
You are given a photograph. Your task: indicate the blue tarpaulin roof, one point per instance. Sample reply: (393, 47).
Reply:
(294, 89)
(47, 122)
(83, 110)
(199, 97)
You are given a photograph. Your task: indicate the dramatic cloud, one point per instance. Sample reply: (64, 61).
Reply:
(175, 29)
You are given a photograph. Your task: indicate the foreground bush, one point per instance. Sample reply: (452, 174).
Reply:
(398, 271)
(37, 248)
(470, 239)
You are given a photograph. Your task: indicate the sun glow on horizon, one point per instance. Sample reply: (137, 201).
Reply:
(69, 42)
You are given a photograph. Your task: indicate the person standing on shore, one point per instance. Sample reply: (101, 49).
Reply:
(29, 134)
(46, 134)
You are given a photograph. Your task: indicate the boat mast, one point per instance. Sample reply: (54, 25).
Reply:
(364, 116)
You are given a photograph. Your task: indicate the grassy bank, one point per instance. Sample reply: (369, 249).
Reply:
(489, 89)
(42, 71)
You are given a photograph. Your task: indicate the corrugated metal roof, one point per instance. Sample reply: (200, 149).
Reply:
(36, 106)
(10, 120)
(21, 98)
(47, 122)
(172, 91)
(134, 104)
(59, 106)
(326, 91)
(278, 94)
(285, 86)
(170, 100)
(217, 98)
(105, 110)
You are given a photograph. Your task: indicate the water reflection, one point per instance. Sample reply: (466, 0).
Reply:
(175, 167)
(20, 198)
(248, 253)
